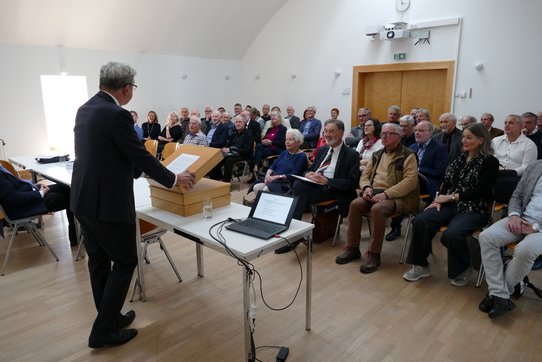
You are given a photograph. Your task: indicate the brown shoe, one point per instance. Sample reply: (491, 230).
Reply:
(371, 263)
(349, 254)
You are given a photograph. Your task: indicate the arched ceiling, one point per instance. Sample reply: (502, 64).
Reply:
(199, 28)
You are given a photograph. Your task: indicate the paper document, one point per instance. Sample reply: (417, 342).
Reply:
(182, 163)
(306, 179)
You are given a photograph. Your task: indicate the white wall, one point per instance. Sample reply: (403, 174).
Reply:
(160, 86)
(315, 37)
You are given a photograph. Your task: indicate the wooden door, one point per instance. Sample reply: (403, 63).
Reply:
(423, 85)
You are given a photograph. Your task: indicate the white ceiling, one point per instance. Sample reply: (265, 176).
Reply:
(199, 28)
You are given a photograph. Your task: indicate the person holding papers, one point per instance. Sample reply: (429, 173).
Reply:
(389, 185)
(108, 155)
(334, 174)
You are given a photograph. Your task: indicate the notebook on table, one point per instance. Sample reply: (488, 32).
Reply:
(270, 214)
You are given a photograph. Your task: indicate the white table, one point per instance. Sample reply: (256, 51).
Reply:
(196, 228)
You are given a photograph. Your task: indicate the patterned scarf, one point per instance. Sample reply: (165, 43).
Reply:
(462, 176)
(368, 142)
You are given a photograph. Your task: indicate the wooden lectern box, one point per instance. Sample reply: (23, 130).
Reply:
(186, 202)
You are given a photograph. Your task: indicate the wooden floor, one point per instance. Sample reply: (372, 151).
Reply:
(47, 310)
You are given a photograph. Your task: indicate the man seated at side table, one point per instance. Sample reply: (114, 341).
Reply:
(21, 198)
(521, 226)
(389, 185)
(335, 171)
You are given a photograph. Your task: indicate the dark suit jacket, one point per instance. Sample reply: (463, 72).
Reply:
(18, 198)
(346, 176)
(220, 137)
(537, 139)
(433, 164)
(108, 155)
(495, 132)
(456, 147)
(294, 122)
(314, 131)
(254, 128)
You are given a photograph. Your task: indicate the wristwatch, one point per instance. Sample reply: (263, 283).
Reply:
(536, 227)
(453, 197)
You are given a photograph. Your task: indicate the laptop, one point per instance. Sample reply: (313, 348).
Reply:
(270, 215)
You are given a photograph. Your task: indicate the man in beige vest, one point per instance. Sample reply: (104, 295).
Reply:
(389, 186)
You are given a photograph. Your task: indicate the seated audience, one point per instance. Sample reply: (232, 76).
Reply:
(206, 121)
(172, 131)
(21, 198)
(293, 119)
(334, 113)
(514, 150)
(394, 112)
(356, 133)
(226, 120)
(521, 226)
(310, 127)
(389, 185)
(151, 128)
(195, 136)
(370, 142)
(217, 134)
(265, 113)
(407, 126)
(539, 121)
(487, 120)
(237, 108)
(463, 205)
(238, 148)
(531, 131)
(255, 116)
(467, 121)
(252, 125)
(422, 115)
(137, 129)
(449, 135)
(184, 119)
(291, 161)
(272, 142)
(335, 173)
(413, 112)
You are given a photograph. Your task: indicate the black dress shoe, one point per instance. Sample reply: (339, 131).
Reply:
(286, 248)
(393, 234)
(115, 338)
(126, 319)
(486, 304)
(500, 306)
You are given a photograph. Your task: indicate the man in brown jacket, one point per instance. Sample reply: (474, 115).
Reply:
(389, 186)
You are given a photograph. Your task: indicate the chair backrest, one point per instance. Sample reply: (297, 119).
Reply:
(8, 166)
(151, 146)
(169, 148)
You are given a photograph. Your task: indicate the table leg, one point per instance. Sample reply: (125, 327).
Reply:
(140, 277)
(246, 311)
(199, 258)
(308, 282)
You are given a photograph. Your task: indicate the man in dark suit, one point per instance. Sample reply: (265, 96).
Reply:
(290, 117)
(531, 131)
(21, 198)
(252, 126)
(217, 134)
(108, 157)
(310, 127)
(335, 171)
(450, 135)
(487, 119)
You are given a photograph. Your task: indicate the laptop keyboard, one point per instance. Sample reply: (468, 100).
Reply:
(259, 225)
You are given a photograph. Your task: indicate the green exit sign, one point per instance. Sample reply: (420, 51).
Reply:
(399, 56)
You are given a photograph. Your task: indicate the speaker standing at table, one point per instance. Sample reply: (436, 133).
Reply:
(108, 155)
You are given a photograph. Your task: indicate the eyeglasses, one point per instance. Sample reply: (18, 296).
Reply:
(134, 86)
(387, 134)
(363, 115)
(422, 130)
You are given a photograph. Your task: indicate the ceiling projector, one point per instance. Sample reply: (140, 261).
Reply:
(392, 34)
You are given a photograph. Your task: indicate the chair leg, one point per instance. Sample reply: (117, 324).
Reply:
(480, 278)
(170, 260)
(79, 247)
(405, 241)
(337, 229)
(38, 234)
(8, 252)
(245, 169)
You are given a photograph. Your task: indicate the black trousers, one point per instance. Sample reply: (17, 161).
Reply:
(112, 258)
(58, 198)
(308, 194)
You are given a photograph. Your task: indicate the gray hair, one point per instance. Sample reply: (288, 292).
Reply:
(517, 117)
(449, 116)
(311, 108)
(407, 118)
(337, 122)
(395, 108)
(425, 112)
(240, 117)
(470, 119)
(396, 128)
(277, 114)
(115, 75)
(296, 134)
(195, 118)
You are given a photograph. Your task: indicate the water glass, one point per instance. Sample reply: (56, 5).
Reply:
(207, 208)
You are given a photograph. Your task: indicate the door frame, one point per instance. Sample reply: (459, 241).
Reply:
(447, 65)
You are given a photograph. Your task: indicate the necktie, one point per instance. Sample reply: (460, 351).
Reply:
(326, 162)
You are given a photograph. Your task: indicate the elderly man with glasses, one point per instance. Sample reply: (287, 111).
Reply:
(356, 133)
(389, 185)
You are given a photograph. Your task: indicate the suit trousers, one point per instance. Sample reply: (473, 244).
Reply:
(309, 193)
(378, 212)
(57, 199)
(112, 258)
(501, 282)
(460, 225)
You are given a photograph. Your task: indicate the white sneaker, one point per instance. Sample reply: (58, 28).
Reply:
(417, 272)
(462, 279)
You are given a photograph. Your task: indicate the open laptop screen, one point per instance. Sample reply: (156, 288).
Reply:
(273, 208)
